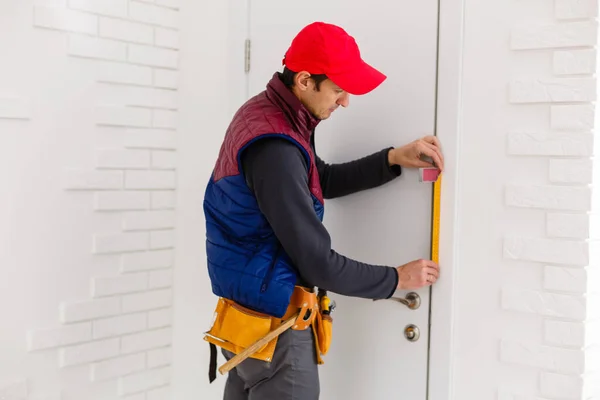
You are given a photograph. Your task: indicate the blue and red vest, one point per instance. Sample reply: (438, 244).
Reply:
(246, 262)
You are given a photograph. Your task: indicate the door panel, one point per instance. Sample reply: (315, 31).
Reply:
(369, 357)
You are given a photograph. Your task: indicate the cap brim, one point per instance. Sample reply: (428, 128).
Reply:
(359, 80)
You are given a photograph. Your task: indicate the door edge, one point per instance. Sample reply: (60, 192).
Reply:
(448, 129)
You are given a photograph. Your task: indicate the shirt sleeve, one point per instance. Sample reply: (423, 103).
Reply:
(365, 173)
(276, 171)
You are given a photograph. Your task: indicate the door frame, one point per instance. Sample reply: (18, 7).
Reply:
(448, 129)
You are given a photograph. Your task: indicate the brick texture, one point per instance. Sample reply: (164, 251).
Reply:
(147, 301)
(87, 180)
(163, 199)
(122, 200)
(550, 197)
(161, 393)
(117, 367)
(85, 353)
(113, 72)
(159, 357)
(165, 78)
(162, 239)
(164, 119)
(164, 160)
(151, 14)
(571, 171)
(120, 242)
(89, 309)
(563, 333)
(122, 159)
(145, 220)
(553, 90)
(160, 318)
(166, 38)
(160, 279)
(65, 20)
(576, 9)
(574, 62)
(116, 326)
(150, 180)
(564, 364)
(570, 252)
(146, 340)
(144, 380)
(56, 337)
(555, 359)
(550, 144)
(156, 57)
(147, 260)
(125, 55)
(575, 117)
(543, 36)
(123, 116)
(116, 8)
(567, 225)
(545, 304)
(91, 47)
(125, 30)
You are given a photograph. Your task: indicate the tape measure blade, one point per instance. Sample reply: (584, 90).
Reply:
(435, 231)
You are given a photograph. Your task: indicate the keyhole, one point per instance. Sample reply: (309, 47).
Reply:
(411, 332)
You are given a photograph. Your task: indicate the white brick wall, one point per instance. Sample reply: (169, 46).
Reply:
(574, 62)
(120, 328)
(565, 203)
(150, 379)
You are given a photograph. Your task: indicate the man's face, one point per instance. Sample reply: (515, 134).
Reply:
(324, 101)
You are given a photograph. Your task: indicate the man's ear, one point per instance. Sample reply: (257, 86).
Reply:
(302, 80)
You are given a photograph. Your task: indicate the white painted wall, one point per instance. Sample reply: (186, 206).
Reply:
(96, 138)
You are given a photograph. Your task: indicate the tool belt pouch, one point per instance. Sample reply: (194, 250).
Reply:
(236, 328)
(323, 332)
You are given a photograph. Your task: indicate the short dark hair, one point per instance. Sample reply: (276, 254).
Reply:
(287, 77)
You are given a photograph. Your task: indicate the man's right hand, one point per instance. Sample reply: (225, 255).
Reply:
(416, 274)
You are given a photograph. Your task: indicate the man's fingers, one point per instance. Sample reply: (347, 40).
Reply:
(430, 264)
(433, 140)
(431, 151)
(432, 271)
(439, 154)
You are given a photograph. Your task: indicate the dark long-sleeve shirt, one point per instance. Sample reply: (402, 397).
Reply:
(276, 171)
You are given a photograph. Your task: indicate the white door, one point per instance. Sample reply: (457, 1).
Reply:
(370, 358)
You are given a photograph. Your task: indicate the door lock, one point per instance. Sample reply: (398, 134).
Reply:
(412, 333)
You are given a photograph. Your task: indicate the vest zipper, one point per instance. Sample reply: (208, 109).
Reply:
(265, 284)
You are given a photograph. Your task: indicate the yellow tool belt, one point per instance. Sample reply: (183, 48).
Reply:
(236, 327)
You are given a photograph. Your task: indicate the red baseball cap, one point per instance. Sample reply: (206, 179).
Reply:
(321, 48)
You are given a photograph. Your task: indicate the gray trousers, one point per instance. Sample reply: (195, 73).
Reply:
(292, 375)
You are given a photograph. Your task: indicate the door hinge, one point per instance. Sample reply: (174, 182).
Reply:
(247, 56)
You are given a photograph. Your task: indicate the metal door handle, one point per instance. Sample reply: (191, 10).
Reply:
(412, 300)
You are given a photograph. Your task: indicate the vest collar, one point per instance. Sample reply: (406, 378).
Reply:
(302, 120)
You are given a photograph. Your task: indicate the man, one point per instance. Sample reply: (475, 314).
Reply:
(264, 207)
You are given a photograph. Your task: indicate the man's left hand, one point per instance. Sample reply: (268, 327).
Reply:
(410, 155)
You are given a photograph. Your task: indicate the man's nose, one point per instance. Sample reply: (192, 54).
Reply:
(344, 100)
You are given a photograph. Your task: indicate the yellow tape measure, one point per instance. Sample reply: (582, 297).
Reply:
(435, 228)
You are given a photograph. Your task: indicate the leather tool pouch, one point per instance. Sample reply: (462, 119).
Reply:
(322, 327)
(235, 328)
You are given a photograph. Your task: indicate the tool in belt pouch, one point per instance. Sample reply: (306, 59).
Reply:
(248, 333)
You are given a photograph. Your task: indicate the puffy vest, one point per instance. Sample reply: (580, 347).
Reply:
(246, 262)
